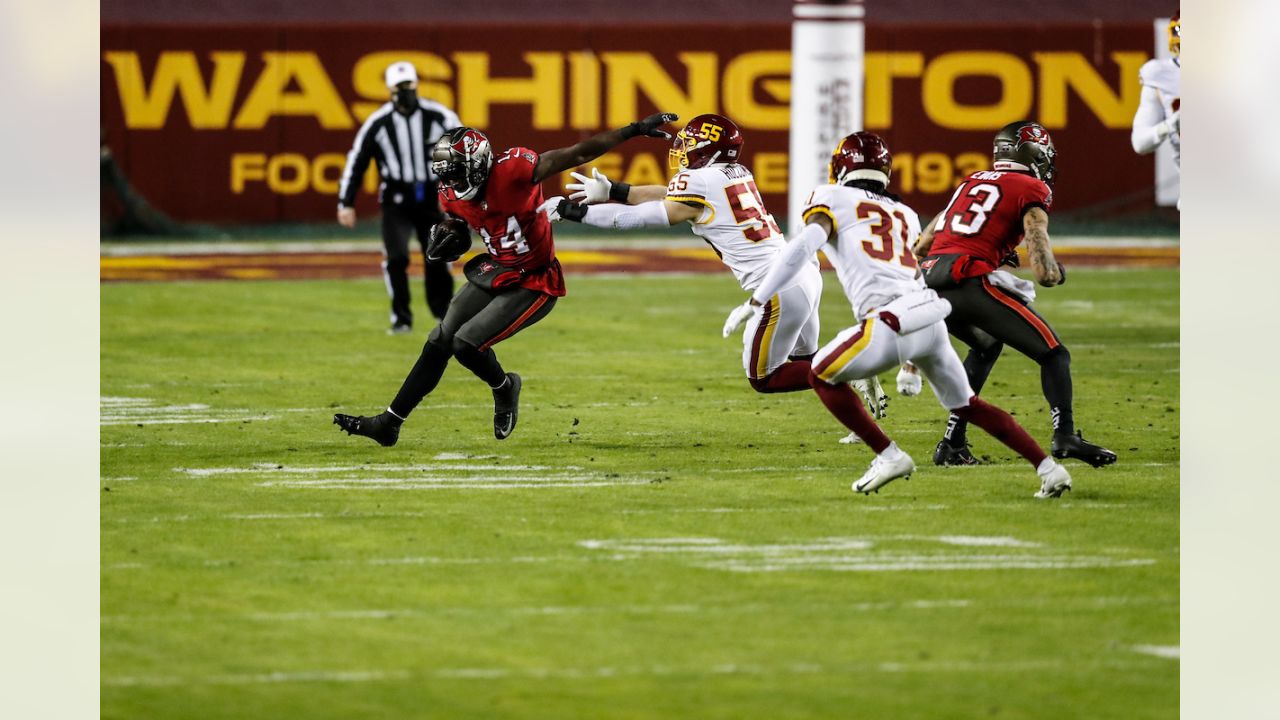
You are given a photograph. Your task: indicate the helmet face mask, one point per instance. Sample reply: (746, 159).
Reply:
(860, 156)
(462, 158)
(707, 139)
(1025, 146)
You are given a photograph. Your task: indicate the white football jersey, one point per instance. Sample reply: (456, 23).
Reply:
(733, 221)
(872, 250)
(1165, 77)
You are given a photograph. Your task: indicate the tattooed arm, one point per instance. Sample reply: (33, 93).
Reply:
(1035, 226)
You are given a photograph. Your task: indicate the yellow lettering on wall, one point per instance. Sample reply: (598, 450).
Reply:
(315, 96)
(632, 73)
(146, 108)
(880, 70)
(770, 170)
(584, 80)
(326, 171)
(543, 89)
(246, 167)
(368, 79)
(287, 173)
(739, 93)
(1062, 70)
(939, 90)
(645, 170)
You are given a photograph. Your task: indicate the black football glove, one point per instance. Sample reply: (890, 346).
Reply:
(570, 210)
(450, 238)
(1012, 259)
(649, 127)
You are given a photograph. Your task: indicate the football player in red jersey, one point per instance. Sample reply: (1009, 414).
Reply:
(498, 197)
(989, 215)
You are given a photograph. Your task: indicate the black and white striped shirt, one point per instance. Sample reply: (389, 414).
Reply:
(402, 146)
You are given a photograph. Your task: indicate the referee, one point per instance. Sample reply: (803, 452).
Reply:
(399, 135)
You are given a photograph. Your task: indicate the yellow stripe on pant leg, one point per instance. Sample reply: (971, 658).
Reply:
(848, 355)
(771, 323)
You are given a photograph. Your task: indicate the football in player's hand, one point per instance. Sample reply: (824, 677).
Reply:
(450, 238)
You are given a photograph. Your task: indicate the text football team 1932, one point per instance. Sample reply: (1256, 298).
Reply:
(910, 286)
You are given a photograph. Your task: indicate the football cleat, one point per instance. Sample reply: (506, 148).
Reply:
(886, 467)
(946, 455)
(384, 428)
(1075, 446)
(851, 439)
(1054, 483)
(506, 407)
(400, 329)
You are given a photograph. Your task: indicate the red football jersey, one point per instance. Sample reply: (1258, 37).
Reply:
(984, 219)
(508, 221)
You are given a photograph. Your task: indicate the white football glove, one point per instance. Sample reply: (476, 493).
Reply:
(873, 396)
(550, 207)
(1175, 122)
(739, 316)
(909, 381)
(590, 190)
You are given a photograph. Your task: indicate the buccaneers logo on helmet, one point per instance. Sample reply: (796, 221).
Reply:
(707, 139)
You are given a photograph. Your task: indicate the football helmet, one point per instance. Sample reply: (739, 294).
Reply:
(860, 156)
(1175, 33)
(462, 159)
(708, 138)
(1025, 146)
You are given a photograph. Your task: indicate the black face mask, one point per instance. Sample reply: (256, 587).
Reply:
(405, 99)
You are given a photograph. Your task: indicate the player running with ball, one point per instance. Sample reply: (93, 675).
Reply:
(866, 232)
(512, 286)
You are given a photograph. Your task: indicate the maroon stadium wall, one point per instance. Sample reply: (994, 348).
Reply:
(251, 123)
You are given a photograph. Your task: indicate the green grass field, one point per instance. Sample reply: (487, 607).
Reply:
(655, 541)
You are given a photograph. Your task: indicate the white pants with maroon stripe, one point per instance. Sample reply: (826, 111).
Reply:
(872, 347)
(787, 326)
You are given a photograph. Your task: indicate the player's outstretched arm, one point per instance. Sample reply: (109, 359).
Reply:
(925, 241)
(557, 161)
(1035, 226)
(600, 189)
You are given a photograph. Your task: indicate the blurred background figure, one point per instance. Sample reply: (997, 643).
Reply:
(1157, 120)
(399, 136)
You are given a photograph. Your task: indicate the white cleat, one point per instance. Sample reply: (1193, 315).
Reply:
(851, 439)
(1053, 482)
(886, 467)
(909, 382)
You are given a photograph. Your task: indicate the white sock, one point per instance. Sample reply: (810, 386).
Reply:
(393, 414)
(1046, 465)
(499, 386)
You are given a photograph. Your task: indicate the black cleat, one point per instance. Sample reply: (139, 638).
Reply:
(506, 407)
(946, 454)
(1075, 446)
(384, 428)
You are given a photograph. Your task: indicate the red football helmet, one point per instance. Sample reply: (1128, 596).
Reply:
(860, 156)
(707, 139)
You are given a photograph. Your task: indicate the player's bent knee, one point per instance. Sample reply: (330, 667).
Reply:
(761, 385)
(459, 346)
(815, 381)
(1057, 356)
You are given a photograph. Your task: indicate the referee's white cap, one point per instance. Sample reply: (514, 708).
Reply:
(398, 72)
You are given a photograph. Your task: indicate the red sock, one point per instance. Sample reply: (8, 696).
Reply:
(789, 377)
(843, 402)
(1001, 426)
